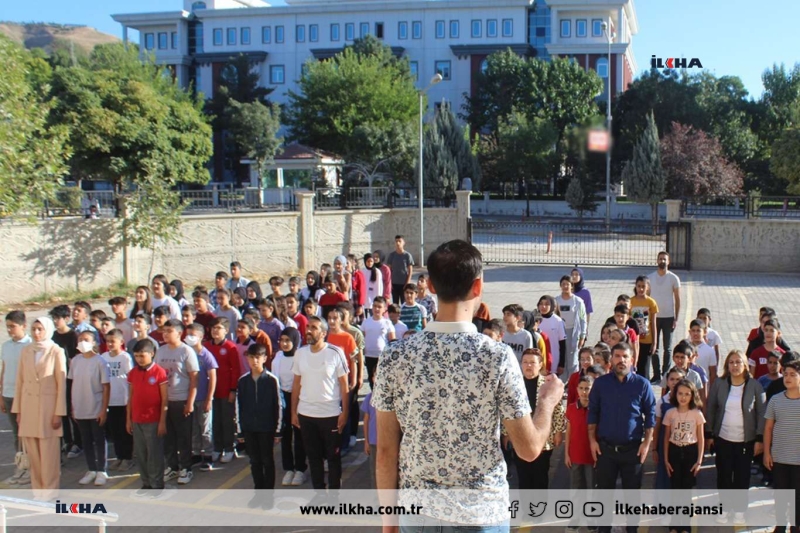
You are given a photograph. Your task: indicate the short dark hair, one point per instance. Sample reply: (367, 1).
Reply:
(200, 295)
(379, 300)
(590, 379)
(514, 309)
(221, 321)
(17, 317)
(393, 308)
(114, 334)
(410, 287)
(684, 348)
(789, 358)
(494, 325)
(189, 307)
(144, 316)
(295, 279)
(86, 306)
(776, 354)
(310, 300)
(248, 322)
(291, 296)
(144, 346)
(794, 365)
(704, 311)
(453, 268)
(224, 292)
(235, 264)
(399, 237)
(346, 306)
(222, 274)
(98, 313)
(336, 310)
(256, 350)
(197, 326)
(277, 280)
(161, 310)
(624, 298)
(697, 323)
(596, 369)
(772, 322)
(622, 346)
(565, 278)
(252, 312)
(174, 324)
(118, 300)
(621, 309)
(662, 252)
(59, 311)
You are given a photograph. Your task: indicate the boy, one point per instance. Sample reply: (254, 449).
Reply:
(228, 373)
(243, 341)
(338, 336)
(494, 330)
(226, 310)
(682, 356)
(293, 309)
(756, 337)
(774, 369)
(80, 318)
(517, 338)
(602, 357)
(220, 283)
(532, 320)
(11, 351)
(378, 332)
(181, 365)
(237, 280)
(351, 430)
(141, 330)
(425, 299)
(120, 365)
(147, 415)
(412, 314)
(310, 308)
(260, 417)
(331, 297)
(705, 357)
(96, 318)
(402, 267)
(160, 318)
(161, 297)
(106, 325)
(259, 336)
(188, 314)
(202, 445)
(400, 328)
(203, 314)
(759, 358)
(712, 337)
(67, 339)
(121, 321)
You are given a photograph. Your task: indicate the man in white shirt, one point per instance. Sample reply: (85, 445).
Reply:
(665, 289)
(161, 297)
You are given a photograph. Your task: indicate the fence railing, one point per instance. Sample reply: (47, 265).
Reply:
(742, 207)
(381, 197)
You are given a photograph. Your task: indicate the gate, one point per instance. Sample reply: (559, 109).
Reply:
(583, 243)
(679, 245)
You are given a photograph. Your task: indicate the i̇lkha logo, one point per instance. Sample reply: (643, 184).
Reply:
(79, 508)
(674, 62)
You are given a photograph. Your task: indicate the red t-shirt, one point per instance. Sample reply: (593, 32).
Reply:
(759, 359)
(359, 286)
(329, 300)
(146, 393)
(204, 319)
(579, 451)
(302, 322)
(229, 369)
(549, 354)
(158, 337)
(632, 336)
(572, 388)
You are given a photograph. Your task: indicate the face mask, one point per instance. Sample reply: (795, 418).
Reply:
(85, 346)
(191, 340)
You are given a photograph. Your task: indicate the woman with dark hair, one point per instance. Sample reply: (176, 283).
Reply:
(254, 292)
(374, 277)
(553, 326)
(239, 299)
(380, 261)
(142, 302)
(176, 291)
(313, 288)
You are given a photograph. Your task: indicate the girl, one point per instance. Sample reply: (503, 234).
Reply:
(142, 302)
(605, 333)
(553, 327)
(379, 259)
(40, 402)
(573, 312)
(579, 290)
(325, 270)
(644, 311)
(662, 406)
(577, 454)
(736, 407)
(585, 360)
(683, 439)
(176, 291)
(358, 289)
(282, 312)
(275, 283)
(239, 300)
(254, 293)
(313, 288)
(374, 279)
(293, 454)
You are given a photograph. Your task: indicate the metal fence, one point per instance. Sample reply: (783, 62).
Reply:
(381, 197)
(742, 207)
(529, 242)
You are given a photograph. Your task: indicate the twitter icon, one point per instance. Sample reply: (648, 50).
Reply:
(538, 509)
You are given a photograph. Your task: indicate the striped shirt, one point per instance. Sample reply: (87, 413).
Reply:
(786, 414)
(412, 315)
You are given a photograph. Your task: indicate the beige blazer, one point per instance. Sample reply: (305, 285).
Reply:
(41, 392)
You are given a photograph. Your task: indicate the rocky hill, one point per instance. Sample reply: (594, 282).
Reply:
(53, 36)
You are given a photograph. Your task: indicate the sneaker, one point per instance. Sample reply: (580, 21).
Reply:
(206, 466)
(25, 479)
(655, 380)
(215, 457)
(87, 478)
(170, 474)
(299, 478)
(74, 452)
(722, 518)
(115, 464)
(738, 519)
(227, 457)
(100, 479)
(353, 441)
(125, 465)
(13, 480)
(287, 478)
(185, 477)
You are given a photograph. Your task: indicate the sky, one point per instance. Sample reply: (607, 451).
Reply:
(730, 37)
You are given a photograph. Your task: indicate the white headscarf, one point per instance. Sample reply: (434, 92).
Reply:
(49, 329)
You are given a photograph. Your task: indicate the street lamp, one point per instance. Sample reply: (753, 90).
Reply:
(436, 79)
(610, 37)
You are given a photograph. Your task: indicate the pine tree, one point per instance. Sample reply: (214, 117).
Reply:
(440, 168)
(643, 174)
(457, 144)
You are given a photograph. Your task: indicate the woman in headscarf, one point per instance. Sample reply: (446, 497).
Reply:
(239, 299)
(293, 454)
(374, 278)
(40, 402)
(176, 291)
(254, 292)
(313, 288)
(579, 290)
(386, 272)
(553, 326)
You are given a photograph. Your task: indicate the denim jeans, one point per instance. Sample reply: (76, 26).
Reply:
(426, 524)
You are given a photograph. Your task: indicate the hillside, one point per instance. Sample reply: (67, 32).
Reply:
(44, 35)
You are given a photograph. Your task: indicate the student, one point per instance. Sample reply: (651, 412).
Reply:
(313, 288)
(342, 276)
(533, 320)
(259, 336)
(66, 338)
(370, 431)
(426, 299)
(553, 327)
(311, 308)
(585, 360)
(220, 283)
(682, 356)
(580, 290)
(243, 342)
(161, 297)
(759, 358)
(293, 310)
(781, 453)
(601, 355)
(147, 414)
(340, 338)
(378, 332)
(293, 454)
(412, 314)
(275, 283)
(236, 280)
(202, 445)
(9, 356)
(226, 310)
(514, 336)
(573, 312)
(756, 337)
(182, 368)
(91, 391)
(401, 265)
(141, 330)
(621, 317)
(80, 318)
(400, 328)
(644, 310)
(260, 411)
(176, 291)
(712, 337)
(228, 374)
(494, 330)
(120, 365)
(269, 322)
(253, 293)
(282, 314)
(684, 439)
(239, 300)
(294, 286)
(160, 317)
(95, 319)
(358, 295)
(773, 369)
(624, 299)
(188, 315)
(596, 371)
(121, 322)
(142, 303)
(351, 429)
(705, 358)
(331, 297)
(373, 278)
(577, 454)
(663, 405)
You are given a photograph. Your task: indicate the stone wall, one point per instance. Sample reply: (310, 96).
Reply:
(548, 208)
(57, 255)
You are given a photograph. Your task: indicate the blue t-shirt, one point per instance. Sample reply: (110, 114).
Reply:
(765, 381)
(368, 409)
(206, 361)
(412, 315)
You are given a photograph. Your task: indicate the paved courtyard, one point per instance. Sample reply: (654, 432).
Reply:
(734, 299)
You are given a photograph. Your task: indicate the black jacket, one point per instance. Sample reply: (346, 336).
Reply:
(260, 403)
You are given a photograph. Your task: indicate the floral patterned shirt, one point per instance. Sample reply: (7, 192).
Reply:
(450, 387)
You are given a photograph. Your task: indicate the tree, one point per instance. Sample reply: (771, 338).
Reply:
(581, 189)
(785, 162)
(254, 128)
(695, 165)
(440, 167)
(643, 174)
(457, 143)
(32, 153)
(575, 196)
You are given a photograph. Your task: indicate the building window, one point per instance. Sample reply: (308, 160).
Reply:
(413, 66)
(276, 74)
(454, 29)
(174, 37)
(217, 36)
(402, 30)
(477, 28)
(349, 31)
(491, 28)
(198, 5)
(313, 32)
(363, 29)
(231, 36)
(508, 27)
(602, 67)
(440, 29)
(416, 29)
(300, 33)
(266, 34)
(443, 68)
(149, 41)
(245, 35)
(597, 27)
(379, 30)
(541, 32)
(580, 28)
(162, 41)
(566, 28)
(279, 37)
(334, 32)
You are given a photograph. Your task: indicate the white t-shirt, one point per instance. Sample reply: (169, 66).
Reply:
(126, 327)
(399, 330)
(553, 327)
(661, 290)
(88, 376)
(282, 367)
(118, 368)
(713, 338)
(732, 428)
(376, 333)
(706, 357)
(319, 374)
(169, 301)
(374, 288)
